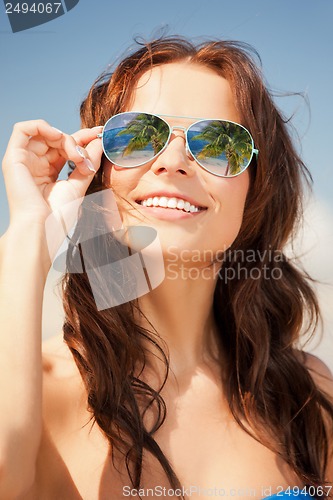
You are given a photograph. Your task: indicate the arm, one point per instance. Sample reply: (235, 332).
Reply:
(35, 155)
(22, 280)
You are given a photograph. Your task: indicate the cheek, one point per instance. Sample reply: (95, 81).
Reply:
(121, 180)
(230, 200)
(233, 192)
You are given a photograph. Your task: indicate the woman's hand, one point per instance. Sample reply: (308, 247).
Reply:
(35, 155)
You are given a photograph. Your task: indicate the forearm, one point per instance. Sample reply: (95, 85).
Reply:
(23, 270)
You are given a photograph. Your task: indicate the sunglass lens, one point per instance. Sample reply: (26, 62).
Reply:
(223, 148)
(132, 139)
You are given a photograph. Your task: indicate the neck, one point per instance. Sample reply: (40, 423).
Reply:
(181, 310)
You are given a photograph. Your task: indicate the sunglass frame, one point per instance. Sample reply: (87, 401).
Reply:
(185, 130)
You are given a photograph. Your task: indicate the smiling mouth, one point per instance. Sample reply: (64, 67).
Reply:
(171, 203)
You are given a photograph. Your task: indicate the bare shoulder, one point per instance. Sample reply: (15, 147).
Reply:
(320, 372)
(323, 378)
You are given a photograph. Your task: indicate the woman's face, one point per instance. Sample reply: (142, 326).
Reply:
(182, 89)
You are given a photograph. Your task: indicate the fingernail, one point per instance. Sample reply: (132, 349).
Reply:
(89, 164)
(57, 130)
(81, 152)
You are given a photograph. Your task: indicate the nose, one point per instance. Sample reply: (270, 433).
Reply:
(175, 158)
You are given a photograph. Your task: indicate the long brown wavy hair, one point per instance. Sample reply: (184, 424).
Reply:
(260, 320)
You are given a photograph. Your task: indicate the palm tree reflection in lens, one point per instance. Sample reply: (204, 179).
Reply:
(223, 140)
(146, 130)
(222, 147)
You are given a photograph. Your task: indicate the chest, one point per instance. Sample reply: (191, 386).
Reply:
(205, 446)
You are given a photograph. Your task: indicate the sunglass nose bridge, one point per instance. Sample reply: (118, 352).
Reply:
(178, 127)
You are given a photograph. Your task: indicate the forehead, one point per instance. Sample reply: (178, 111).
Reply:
(186, 89)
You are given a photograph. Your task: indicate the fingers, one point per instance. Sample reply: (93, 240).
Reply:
(34, 157)
(90, 155)
(23, 131)
(29, 144)
(57, 152)
(85, 135)
(54, 158)
(40, 137)
(44, 150)
(38, 146)
(93, 152)
(80, 181)
(50, 160)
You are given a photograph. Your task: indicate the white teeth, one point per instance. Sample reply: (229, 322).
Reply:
(180, 204)
(163, 201)
(172, 203)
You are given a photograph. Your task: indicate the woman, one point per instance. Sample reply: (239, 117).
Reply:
(198, 384)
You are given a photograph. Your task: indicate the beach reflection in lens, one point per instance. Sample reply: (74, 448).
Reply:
(132, 139)
(223, 147)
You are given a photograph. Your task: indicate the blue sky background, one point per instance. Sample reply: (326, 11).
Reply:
(46, 71)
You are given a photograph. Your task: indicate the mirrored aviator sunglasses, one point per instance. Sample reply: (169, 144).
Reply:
(223, 148)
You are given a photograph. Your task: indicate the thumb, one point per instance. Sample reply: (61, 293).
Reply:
(80, 182)
(81, 178)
